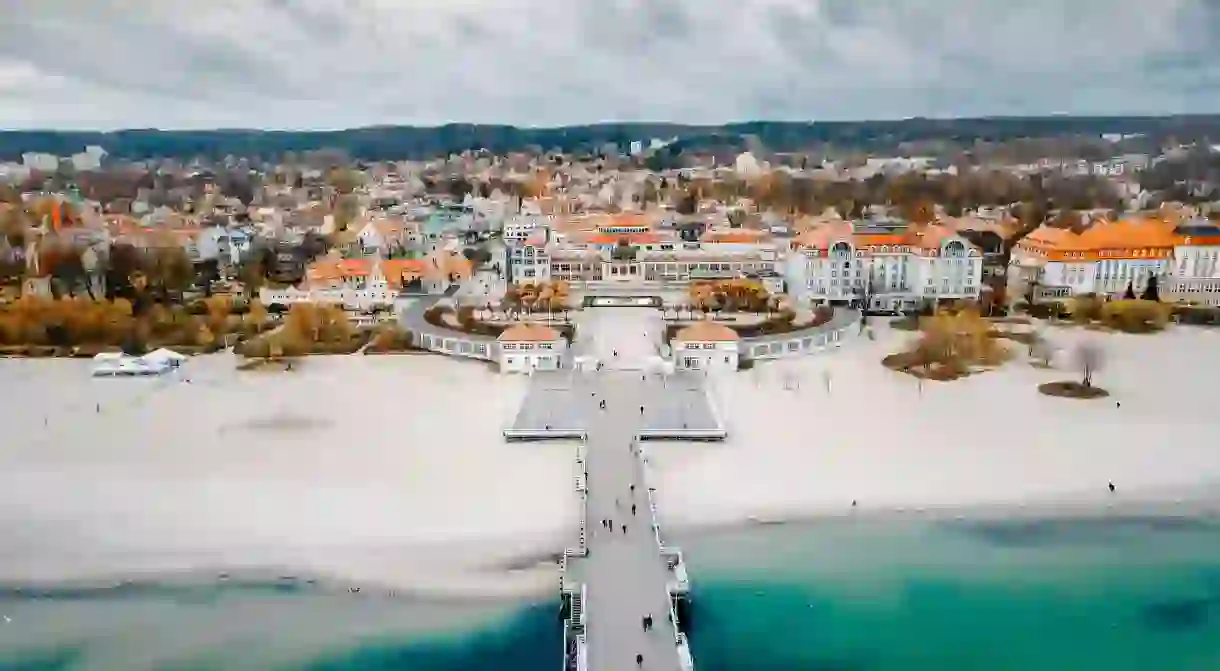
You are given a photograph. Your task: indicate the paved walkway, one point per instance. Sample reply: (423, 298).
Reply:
(634, 333)
(624, 572)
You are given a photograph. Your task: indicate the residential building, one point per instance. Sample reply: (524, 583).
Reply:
(361, 284)
(525, 348)
(522, 226)
(892, 264)
(706, 345)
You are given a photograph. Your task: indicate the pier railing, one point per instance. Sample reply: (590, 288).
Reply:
(673, 558)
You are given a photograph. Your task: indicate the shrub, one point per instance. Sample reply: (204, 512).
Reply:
(1197, 315)
(1135, 315)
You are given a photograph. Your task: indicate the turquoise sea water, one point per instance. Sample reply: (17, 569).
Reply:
(269, 626)
(1119, 594)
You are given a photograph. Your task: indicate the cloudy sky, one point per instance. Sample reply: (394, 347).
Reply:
(341, 63)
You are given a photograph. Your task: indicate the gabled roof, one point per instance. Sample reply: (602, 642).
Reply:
(705, 331)
(529, 333)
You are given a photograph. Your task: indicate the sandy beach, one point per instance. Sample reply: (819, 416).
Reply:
(391, 470)
(387, 470)
(987, 442)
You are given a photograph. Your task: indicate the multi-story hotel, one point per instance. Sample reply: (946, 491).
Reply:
(1109, 257)
(895, 265)
(630, 249)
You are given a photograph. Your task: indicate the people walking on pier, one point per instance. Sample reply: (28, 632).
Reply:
(639, 659)
(624, 528)
(632, 489)
(641, 409)
(633, 509)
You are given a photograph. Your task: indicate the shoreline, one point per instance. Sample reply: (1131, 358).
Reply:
(1202, 503)
(530, 575)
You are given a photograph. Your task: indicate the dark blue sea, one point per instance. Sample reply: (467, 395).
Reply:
(1115, 594)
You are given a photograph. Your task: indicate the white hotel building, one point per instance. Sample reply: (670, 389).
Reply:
(899, 264)
(1109, 257)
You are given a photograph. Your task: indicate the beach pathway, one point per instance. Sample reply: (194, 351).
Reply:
(624, 573)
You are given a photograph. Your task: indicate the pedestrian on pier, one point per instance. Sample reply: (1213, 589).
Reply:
(624, 528)
(633, 509)
(641, 409)
(639, 659)
(632, 489)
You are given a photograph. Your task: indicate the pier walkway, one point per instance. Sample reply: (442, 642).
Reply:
(624, 574)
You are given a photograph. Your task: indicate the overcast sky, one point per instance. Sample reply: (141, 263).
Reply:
(342, 63)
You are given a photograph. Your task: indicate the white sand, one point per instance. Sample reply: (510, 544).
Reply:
(987, 439)
(385, 469)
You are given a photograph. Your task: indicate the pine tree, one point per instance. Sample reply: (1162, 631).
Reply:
(1151, 292)
(1129, 294)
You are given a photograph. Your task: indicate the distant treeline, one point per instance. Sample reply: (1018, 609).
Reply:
(398, 142)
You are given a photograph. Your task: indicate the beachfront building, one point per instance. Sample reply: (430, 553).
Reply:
(361, 284)
(525, 348)
(633, 251)
(706, 346)
(1109, 257)
(890, 263)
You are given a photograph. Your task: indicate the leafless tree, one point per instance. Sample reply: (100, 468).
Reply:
(1089, 359)
(1041, 350)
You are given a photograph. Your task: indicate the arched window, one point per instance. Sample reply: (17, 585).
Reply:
(841, 250)
(955, 249)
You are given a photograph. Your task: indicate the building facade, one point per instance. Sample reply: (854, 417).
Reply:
(634, 253)
(888, 264)
(525, 348)
(706, 346)
(1110, 257)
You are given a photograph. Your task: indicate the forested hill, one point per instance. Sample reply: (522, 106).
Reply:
(396, 142)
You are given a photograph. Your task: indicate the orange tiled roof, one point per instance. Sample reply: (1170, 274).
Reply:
(1135, 237)
(707, 332)
(631, 238)
(922, 238)
(736, 235)
(529, 333)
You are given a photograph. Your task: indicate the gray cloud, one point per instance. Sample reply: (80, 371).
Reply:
(338, 63)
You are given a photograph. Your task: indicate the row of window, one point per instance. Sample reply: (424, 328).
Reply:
(527, 345)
